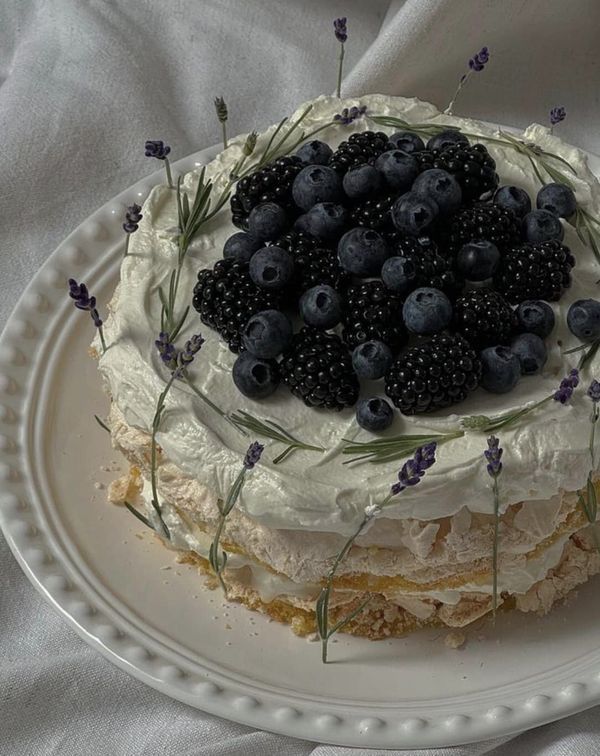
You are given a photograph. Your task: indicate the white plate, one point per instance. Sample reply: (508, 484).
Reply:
(95, 564)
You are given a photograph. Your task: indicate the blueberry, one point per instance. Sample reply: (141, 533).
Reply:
(441, 187)
(537, 317)
(427, 311)
(371, 359)
(315, 153)
(321, 306)
(399, 274)
(362, 180)
(241, 246)
(583, 319)
(254, 377)
(531, 353)
(316, 183)
(362, 251)
(557, 199)
(267, 334)
(325, 220)
(399, 169)
(540, 226)
(447, 138)
(407, 141)
(413, 215)
(513, 198)
(267, 221)
(374, 414)
(271, 267)
(478, 260)
(501, 369)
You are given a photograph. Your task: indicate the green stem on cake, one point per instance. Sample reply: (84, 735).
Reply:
(201, 395)
(102, 424)
(273, 431)
(485, 424)
(322, 604)
(588, 230)
(589, 501)
(496, 495)
(461, 83)
(139, 515)
(160, 406)
(168, 172)
(340, 70)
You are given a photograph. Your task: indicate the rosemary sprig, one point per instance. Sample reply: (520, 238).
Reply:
(589, 500)
(393, 448)
(216, 556)
(160, 407)
(410, 475)
(141, 517)
(486, 424)
(273, 431)
(589, 352)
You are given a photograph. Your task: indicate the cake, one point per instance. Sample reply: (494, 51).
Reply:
(433, 556)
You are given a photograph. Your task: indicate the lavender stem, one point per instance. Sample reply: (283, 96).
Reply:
(340, 68)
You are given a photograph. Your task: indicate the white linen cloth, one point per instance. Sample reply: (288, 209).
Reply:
(82, 85)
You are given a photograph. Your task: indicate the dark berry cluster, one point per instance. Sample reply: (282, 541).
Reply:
(388, 259)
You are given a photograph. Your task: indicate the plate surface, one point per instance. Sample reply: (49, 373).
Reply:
(124, 593)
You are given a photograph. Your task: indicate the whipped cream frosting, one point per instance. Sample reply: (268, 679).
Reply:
(546, 453)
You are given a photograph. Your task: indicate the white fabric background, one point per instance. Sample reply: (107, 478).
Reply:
(82, 85)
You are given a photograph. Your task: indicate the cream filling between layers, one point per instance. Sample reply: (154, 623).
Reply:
(545, 454)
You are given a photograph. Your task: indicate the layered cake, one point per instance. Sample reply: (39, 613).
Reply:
(357, 289)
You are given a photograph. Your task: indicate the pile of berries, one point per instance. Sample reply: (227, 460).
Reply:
(394, 261)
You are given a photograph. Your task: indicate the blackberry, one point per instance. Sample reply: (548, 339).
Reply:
(273, 183)
(317, 367)
(472, 166)
(535, 271)
(364, 147)
(431, 268)
(433, 375)
(374, 212)
(226, 297)
(313, 263)
(484, 318)
(479, 221)
(371, 312)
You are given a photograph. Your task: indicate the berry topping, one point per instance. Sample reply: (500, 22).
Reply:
(473, 167)
(272, 268)
(315, 153)
(316, 183)
(360, 148)
(361, 181)
(535, 271)
(478, 260)
(241, 247)
(362, 252)
(372, 359)
(267, 334)
(513, 198)
(372, 312)
(540, 226)
(535, 317)
(398, 168)
(583, 319)
(440, 186)
(321, 306)
(479, 222)
(267, 221)
(557, 199)
(484, 318)
(436, 374)
(445, 139)
(413, 215)
(318, 369)
(255, 378)
(501, 369)
(407, 141)
(427, 311)
(531, 352)
(374, 414)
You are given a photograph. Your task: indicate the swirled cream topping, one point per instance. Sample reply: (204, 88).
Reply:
(545, 453)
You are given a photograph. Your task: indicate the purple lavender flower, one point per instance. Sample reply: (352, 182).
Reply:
(221, 108)
(340, 29)
(350, 114)
(167, 350)
(478, 61)
(83, 300)
(557, 115)
(493, 455)
(253, 455)
(413, 470)
(594, 391)
(187, 354)
(156, 149)
(132, 218)
(567, 386)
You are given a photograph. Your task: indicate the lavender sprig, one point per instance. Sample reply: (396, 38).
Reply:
(493, 456)
(218, 560)
(476, 64)
(557, 115)
(83, 301)
(340, 30)
(348, 115)
(506, 420)
(222, 114)
(588, 500)
(158, 149)
(410, 474)
(132, 218)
